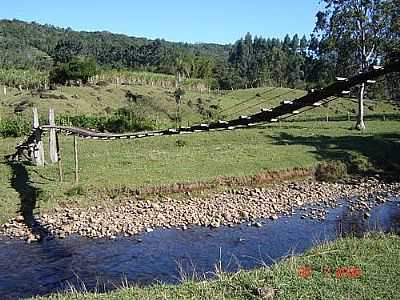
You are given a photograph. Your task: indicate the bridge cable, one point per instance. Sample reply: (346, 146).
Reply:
(257, 104)
(248, 100)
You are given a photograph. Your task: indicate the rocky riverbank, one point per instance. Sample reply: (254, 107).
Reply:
(226, 208)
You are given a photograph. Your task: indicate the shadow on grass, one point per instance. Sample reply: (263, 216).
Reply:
(363, 154)
(28, 195)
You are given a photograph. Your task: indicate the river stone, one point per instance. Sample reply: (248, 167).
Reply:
(215, 224)
(19, 219)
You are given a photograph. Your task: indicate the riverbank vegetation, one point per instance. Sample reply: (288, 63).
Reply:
(356, 268)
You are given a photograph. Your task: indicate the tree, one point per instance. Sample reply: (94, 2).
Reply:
(66, 49)
(77, 69)
(392, 47)
(183, 66)
(179, 93)
(356, 25)
(295, 43)
(304, 45)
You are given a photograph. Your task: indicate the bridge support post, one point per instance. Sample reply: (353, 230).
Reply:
(37, 149)
(76, 159)
(52, 139)
(60, 166)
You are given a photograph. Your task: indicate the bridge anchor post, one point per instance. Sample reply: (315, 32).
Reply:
(52, 138)
(37, 146)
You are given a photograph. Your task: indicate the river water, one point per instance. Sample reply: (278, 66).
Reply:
(168, 255)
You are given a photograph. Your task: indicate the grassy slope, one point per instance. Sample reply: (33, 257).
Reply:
(376, 256)
(205, 156)
(159, 103)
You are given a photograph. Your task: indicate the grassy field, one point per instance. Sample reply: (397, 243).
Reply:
(349, 268)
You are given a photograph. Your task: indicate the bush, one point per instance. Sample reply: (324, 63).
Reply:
(122, 121)
(361, 165)
(180, 143)
(15, 127)
(77, 190)
(331, 171)
(77, 69)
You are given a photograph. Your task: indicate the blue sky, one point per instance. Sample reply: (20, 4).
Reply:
(220, 21)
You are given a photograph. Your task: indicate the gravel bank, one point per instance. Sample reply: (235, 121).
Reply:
(226, 208)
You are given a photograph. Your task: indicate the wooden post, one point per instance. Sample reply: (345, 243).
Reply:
(327, 113)
(76, 159)
(5, 91)
(52, 138)
(60, 166)
(38, 151)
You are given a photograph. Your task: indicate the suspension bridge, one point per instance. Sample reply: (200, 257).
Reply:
(287, 109)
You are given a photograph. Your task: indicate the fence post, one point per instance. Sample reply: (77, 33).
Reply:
(76, 159)
(52, 138)
(60, 166)
(37, 151)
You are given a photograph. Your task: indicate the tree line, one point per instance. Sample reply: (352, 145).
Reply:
(247, 63)
(296, 62)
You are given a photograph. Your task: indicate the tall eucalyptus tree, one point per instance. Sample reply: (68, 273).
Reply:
(354, 28)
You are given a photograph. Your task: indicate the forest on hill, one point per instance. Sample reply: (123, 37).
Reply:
(296, 62)
(250, 62)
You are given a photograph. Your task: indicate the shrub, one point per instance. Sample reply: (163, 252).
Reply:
(180, 143)
(15, 127)
(124, 120)
(77, 190)
(361, 165)
(331, 171)
(77, 69)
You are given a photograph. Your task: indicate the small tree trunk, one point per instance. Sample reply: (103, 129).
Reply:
(360, 118)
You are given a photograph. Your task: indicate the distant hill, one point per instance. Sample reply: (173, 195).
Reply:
(35, 46)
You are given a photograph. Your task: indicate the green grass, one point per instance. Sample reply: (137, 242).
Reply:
(377, 256)
(159, 104)
(203, 157)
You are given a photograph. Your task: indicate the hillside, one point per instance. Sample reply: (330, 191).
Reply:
(157, 104)
(32, 45)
